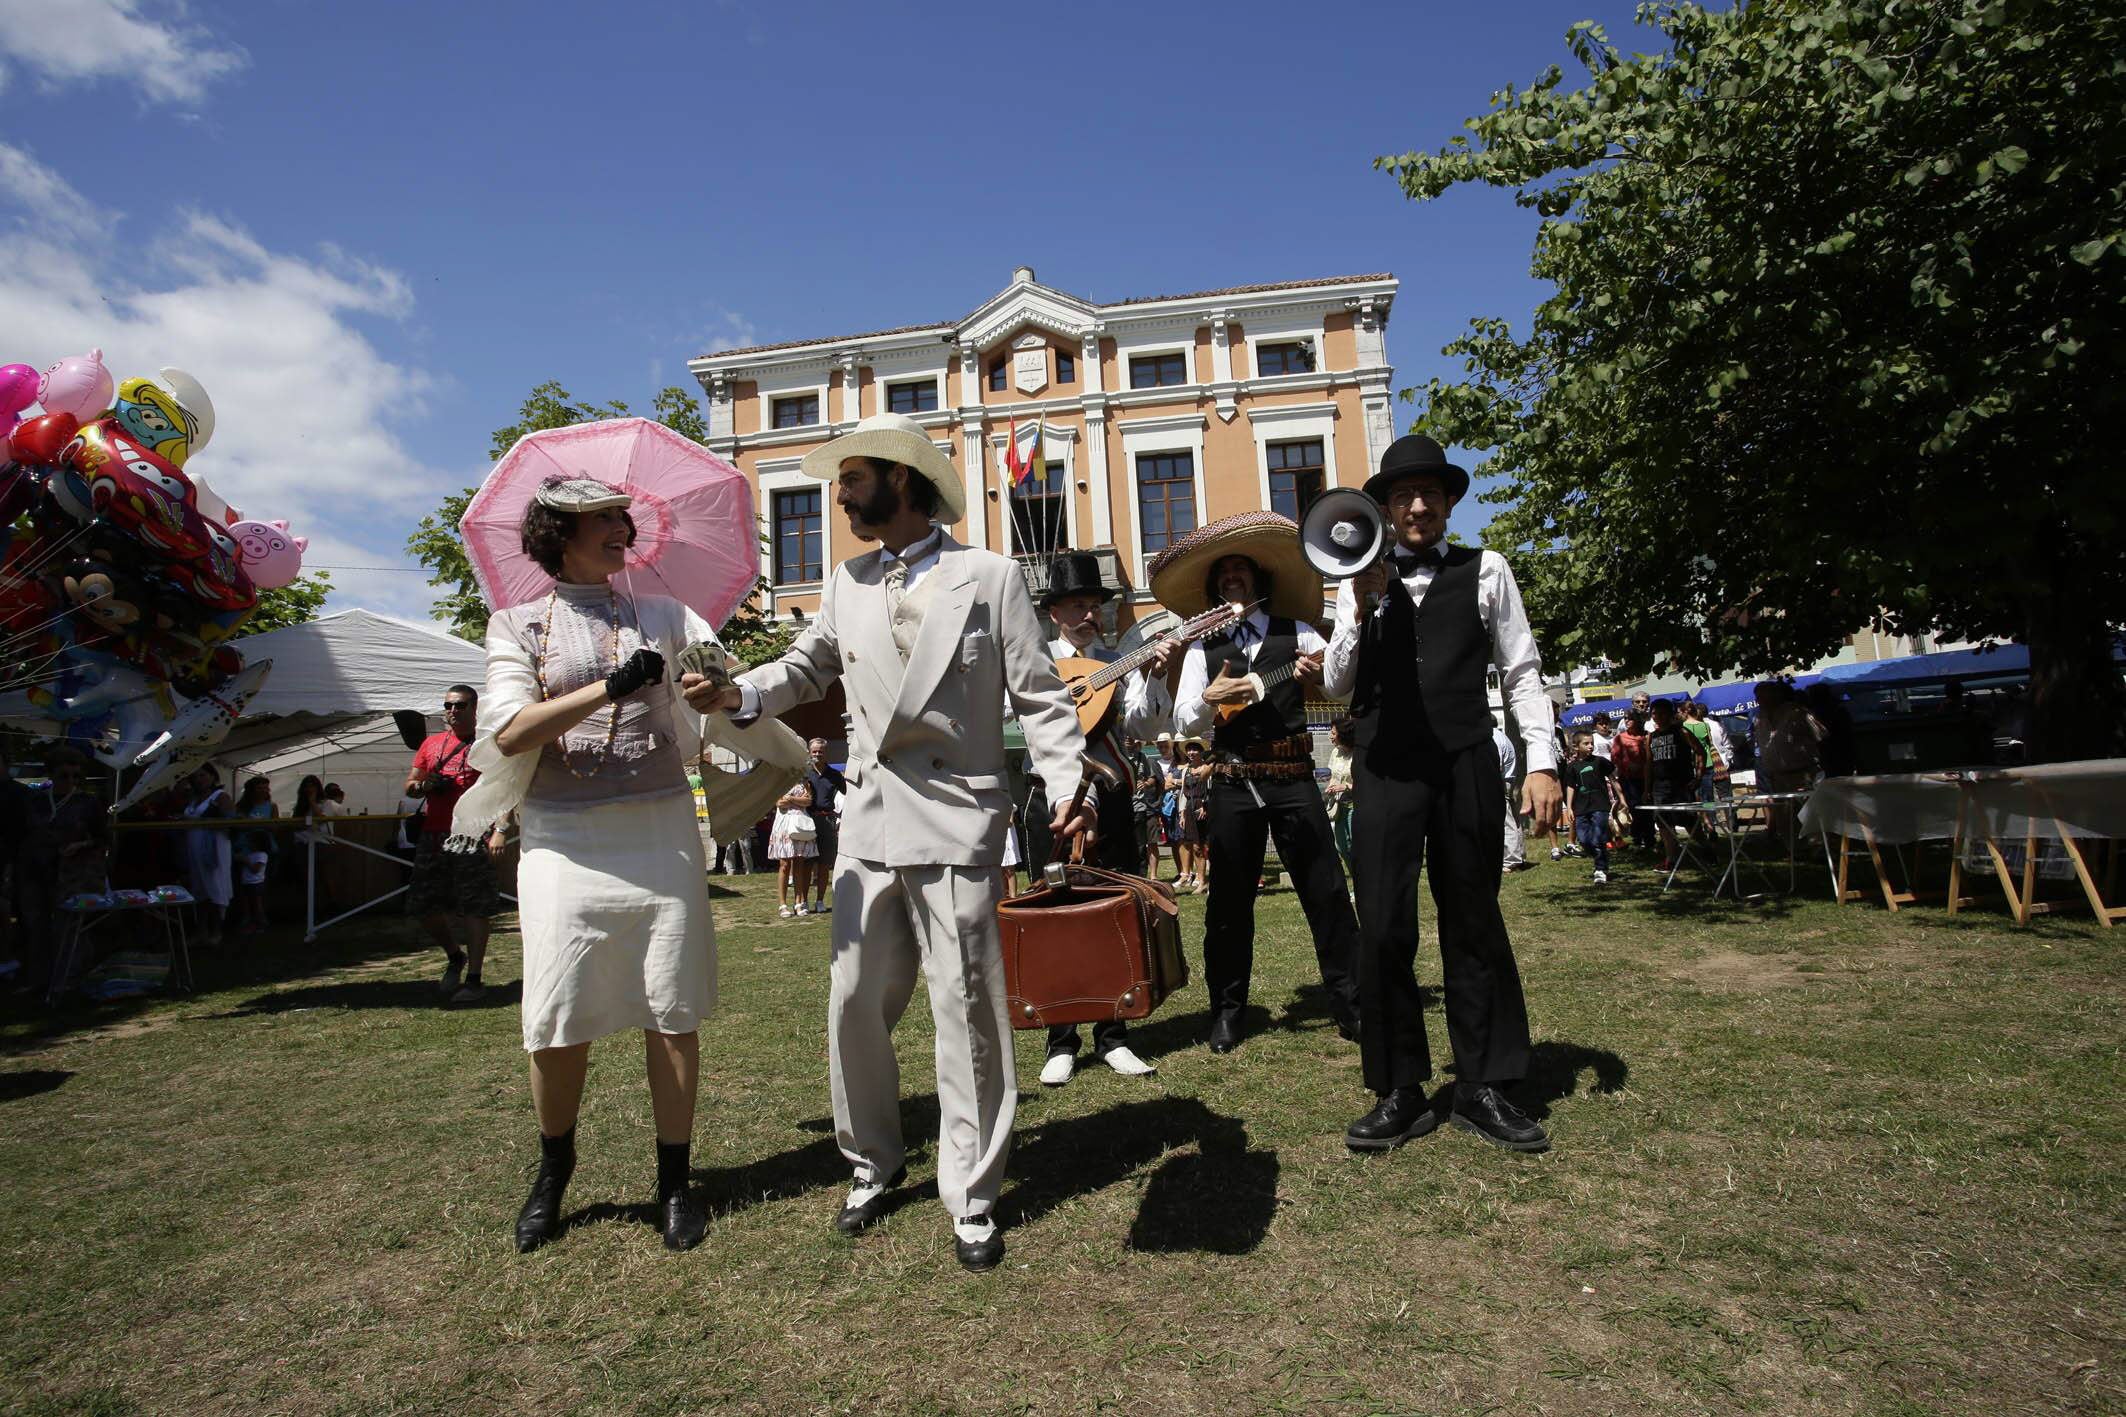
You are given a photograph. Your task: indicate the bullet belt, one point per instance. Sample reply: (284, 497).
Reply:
(1279, 760)
(1262, 772)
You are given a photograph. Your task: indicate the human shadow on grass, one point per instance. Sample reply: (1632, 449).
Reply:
(29, 1082)
(1690, 898)
(1219, 1198)
(372, 994)
(1554, 1070)
(253, 963)
(815, 1166)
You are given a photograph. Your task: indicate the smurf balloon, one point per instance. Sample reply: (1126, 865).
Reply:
(77, 384)
(270, 555)
(155, 419)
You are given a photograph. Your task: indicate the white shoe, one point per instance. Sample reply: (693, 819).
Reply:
(1556, 854)
(1601, 878)
(803, 909)
(785, 912)
(1057, 1070)
(1127, 1063)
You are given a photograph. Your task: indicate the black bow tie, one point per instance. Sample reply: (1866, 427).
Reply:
(1408, 561)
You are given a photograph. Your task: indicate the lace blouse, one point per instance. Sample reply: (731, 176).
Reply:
(645, 759)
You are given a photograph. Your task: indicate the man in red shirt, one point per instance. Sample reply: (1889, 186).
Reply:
(452, 888)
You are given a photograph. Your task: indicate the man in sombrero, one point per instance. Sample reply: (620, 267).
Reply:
(1415, 636)
(1246, 687)
(1072, 600)
(930, 639)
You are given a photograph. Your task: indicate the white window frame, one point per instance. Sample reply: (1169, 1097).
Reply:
(1185, 348)
(783, 475)
(1294, 423)
(1174, 433)
(887, 386)
(1312, 329)
(801, 391)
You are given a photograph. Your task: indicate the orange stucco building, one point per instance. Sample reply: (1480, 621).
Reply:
(1162, 413)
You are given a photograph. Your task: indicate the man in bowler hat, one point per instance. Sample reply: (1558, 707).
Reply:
(1415, 635)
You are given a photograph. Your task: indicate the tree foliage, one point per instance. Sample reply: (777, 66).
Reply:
(436, 544)
(1836, 329)
(293, 604)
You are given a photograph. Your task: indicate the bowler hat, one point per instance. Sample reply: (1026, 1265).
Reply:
(1074, 573)
(1411, 455)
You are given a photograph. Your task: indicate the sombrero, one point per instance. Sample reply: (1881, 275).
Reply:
(1269, 540)
(894, 438)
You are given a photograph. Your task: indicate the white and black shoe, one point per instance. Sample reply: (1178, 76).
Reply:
(976, 1243)
(867, 1202)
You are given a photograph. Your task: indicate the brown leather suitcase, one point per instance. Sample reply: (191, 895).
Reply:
(1102, 945)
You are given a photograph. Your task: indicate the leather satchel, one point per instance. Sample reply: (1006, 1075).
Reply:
(1086, 945)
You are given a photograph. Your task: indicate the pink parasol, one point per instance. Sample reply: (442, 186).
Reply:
(696, 539)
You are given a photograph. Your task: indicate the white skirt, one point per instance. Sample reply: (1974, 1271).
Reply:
(613, 904)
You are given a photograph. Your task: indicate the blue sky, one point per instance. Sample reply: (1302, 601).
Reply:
(369, 230)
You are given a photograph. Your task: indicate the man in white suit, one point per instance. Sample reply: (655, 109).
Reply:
(930, 640)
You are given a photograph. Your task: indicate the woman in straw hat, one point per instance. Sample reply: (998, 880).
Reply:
(1262, 783)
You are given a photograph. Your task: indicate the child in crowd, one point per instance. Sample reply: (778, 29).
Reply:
(1674, 765)
(793, 843)
(1590, 785)
(255, 849)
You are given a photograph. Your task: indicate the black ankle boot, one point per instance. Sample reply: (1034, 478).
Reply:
(540, 1220)
(683, 1220)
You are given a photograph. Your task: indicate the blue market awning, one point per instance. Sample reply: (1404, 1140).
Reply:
(1581, 715)
(1948, 664)
(1740, 696)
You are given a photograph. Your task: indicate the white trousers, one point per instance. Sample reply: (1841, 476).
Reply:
(1515, 854)
(888, 922)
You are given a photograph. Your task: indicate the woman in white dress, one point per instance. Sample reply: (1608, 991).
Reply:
(207, 853)
(583, 730)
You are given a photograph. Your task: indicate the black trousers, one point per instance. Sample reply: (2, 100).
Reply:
(1448, 813)
(1292, 813)
(1116, 851)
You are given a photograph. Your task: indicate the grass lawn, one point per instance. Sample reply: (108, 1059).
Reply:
(1807, 1160)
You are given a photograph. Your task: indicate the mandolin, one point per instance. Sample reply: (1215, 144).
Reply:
(1092, 682)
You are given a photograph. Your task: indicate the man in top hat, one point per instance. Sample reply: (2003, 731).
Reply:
(1414, 637)
(1262, 782)
(1073, 599)
(930, 640)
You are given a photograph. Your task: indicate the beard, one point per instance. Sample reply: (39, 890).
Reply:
(880, 506)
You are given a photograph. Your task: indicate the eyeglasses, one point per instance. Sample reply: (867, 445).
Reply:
(1430, 496)
(449, 704)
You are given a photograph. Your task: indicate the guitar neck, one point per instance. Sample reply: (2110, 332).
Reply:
(1140, 656)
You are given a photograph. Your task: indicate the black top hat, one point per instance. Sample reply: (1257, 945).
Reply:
(1409, 455)
(1075, 573)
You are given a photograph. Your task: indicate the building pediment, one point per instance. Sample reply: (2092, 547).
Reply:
(1026, 303)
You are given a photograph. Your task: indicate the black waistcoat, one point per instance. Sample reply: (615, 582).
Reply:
(1421, 668)
(1281, 712)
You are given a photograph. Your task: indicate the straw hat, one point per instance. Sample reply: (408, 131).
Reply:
(894, 438)
(1269, 540)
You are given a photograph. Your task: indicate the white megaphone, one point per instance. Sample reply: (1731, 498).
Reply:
(1343, 532)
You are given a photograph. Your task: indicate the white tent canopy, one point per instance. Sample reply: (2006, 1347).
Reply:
(324, 709)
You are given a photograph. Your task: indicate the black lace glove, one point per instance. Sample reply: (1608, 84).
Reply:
(644, 666)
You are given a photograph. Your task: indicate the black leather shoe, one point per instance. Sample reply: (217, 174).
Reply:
(1484, 1110)
(1347, 1027)
(1225, 1033)
(684, 1221)
(979, 1255)
(1402, 1115)
(540, 1220)
(856, 1219)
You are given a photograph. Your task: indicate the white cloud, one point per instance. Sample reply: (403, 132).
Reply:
(311, 419)
(729, 330)
(81, 41)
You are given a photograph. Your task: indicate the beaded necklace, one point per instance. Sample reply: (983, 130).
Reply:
(546, 636)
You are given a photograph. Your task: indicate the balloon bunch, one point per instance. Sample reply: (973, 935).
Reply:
(122, 576)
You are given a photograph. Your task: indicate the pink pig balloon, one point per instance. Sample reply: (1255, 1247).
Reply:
(270, 556)
(77, 384)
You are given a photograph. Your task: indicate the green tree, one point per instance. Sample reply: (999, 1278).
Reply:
(436, 544)
(293, 604)
(1836, 333)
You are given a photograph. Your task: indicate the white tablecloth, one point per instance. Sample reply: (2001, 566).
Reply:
(2088, 798)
